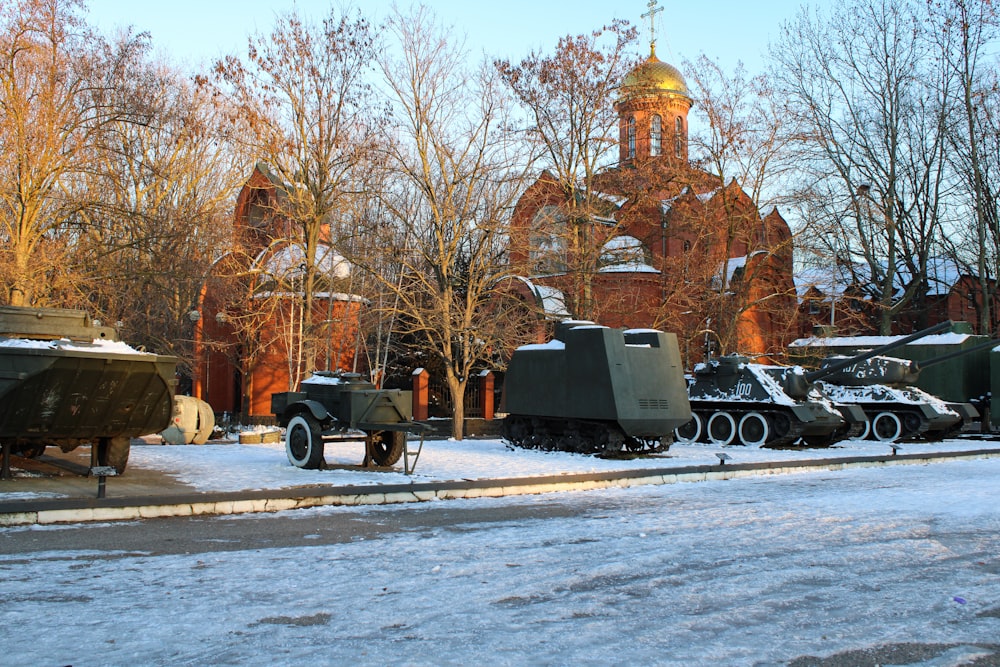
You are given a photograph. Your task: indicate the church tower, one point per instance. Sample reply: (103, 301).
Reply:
(653, 109)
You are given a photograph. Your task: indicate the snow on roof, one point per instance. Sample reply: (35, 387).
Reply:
(872, 342)
(628, 267)
(551, 300)
(288, 262)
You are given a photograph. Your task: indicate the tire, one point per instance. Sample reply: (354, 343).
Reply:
(721, 428)
(114, 452)
(689, 433)
(753, 429)
(385, 447)
(886, 427)
(304, 442)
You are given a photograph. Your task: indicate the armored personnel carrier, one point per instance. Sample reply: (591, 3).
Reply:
(595, 390)
(736, 401)
(66, 382)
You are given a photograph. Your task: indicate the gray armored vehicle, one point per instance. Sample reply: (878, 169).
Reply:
(331, 403)
(736, 401)
(595, 390)
(66, 382)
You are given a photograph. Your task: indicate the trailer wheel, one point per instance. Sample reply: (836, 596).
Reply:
(690, 432)
(385, 447)
(114, 452)
(304, 442)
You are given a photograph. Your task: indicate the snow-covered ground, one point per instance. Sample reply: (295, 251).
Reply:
(236, 467)
(756, 571)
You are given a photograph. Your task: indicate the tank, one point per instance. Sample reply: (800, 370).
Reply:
(596, 390)
(66, 382)
(736, 401)
(328, 403)
(886, 389)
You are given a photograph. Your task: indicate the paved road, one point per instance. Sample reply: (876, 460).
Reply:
(826, 570)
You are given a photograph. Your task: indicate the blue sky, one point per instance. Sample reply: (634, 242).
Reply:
(196, 31)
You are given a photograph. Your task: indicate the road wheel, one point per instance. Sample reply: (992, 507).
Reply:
(886, 427)
(721, 428)
(753, 429)
(114, 452)
(304, 442)
(385, 447)
(689, 432)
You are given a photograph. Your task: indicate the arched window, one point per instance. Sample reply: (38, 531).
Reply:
(655, 134)
(631, 137)
(679, 137)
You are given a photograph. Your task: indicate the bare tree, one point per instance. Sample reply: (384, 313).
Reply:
(458, 173)
(863, 88)
(964, 30)
(56, 78)
(569, 97)
(157, 206)
(309, 115)
(742, 147)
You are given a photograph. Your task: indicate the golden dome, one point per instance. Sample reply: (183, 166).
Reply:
(654, 76)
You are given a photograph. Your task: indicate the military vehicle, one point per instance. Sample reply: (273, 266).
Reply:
(330, 403)
(595, 390)
(885, 388)
(736, 401)
(66, 381)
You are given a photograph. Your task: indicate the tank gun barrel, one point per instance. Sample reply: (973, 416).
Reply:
(820, 373)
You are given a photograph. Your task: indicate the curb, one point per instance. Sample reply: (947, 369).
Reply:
(76, 510)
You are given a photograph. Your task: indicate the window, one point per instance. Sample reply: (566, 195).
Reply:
(631, 137)
(687, 245)
(679, 137)
(655, 134)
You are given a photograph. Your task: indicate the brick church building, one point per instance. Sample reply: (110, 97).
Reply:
(662, 244)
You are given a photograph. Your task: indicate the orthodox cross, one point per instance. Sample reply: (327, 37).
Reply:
(651, 15)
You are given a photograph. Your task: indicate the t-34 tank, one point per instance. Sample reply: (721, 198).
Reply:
(66, 382)
(595, 390)
(735, 401)
(885, 388)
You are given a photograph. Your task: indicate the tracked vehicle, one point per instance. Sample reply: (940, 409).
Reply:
(66, 382)
(886, 389)
(736, 401)
(595, 390)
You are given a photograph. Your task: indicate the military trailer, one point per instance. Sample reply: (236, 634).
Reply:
(67, 382)
(329, 403)
(595, 390)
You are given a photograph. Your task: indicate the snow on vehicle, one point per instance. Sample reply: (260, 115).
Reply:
(67, 382)
(737, 402)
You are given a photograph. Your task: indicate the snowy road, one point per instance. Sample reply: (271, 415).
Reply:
(900, 560)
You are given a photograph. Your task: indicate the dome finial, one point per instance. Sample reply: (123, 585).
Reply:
(651, 15)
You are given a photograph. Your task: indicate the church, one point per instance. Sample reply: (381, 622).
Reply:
(662, 243)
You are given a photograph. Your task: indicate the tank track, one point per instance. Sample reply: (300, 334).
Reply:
(577, 436)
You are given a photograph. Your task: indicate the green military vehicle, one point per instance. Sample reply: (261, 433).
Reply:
(67, 382)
